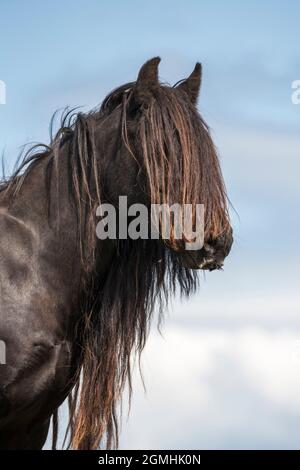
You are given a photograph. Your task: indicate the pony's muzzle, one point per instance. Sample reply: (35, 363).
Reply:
(211, 256)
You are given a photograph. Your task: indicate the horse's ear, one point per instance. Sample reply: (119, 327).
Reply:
(147, 80)
(191, 86)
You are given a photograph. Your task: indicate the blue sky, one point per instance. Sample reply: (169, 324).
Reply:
(246, 319)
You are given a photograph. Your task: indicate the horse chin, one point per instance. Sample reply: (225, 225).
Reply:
(198, 260)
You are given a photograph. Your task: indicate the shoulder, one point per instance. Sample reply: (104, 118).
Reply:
(14, 231)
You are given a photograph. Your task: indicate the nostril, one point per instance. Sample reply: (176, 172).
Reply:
(219, 248)
(209, 249)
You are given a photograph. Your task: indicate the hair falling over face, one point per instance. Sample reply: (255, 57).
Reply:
(177, 156)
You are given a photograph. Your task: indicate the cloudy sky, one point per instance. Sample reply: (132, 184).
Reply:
(226, 373)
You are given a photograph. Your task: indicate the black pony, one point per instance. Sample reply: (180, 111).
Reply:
(74, 309)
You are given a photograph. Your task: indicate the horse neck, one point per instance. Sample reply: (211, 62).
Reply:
(42, 205)
(51, 211)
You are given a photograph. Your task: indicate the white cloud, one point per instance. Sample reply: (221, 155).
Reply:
(217, 389)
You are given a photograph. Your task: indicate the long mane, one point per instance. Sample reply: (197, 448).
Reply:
(175, 148)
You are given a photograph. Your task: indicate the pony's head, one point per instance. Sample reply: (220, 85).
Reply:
(156, 149)
(149, 143)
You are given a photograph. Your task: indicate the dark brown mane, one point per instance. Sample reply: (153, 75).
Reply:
(176, 154)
